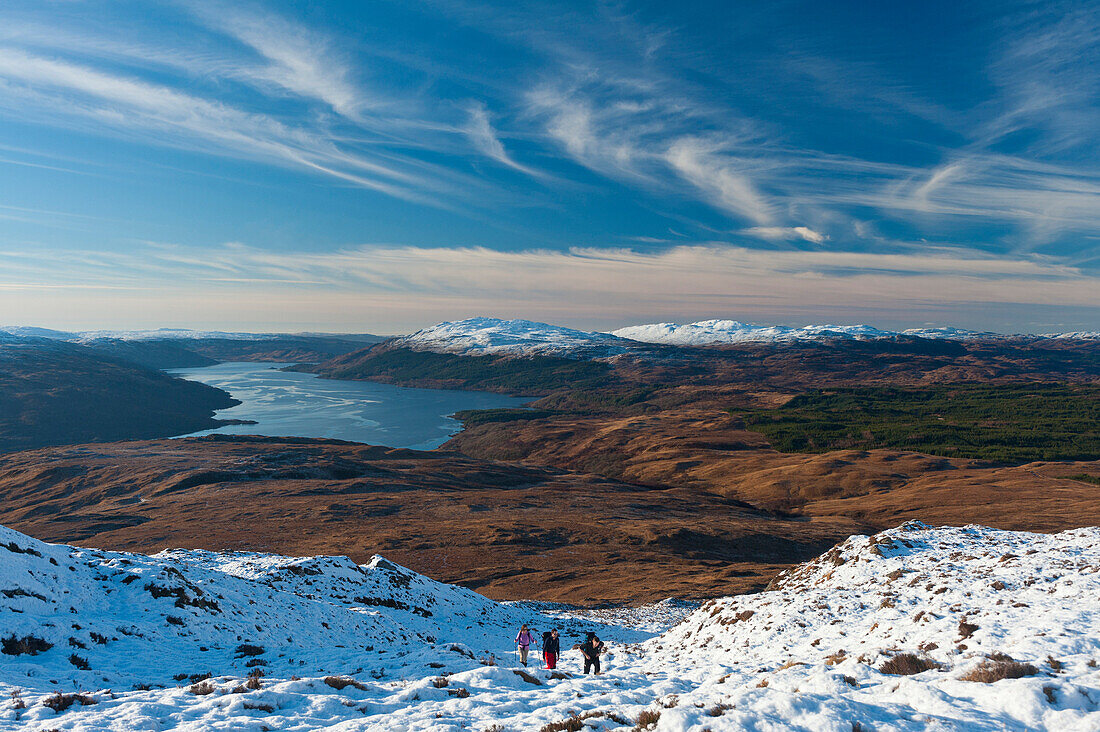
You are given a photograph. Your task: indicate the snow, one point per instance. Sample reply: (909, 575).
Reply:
(803, 655)
(707, 332)
(1083, 335)
(29, 331)
(492, 336)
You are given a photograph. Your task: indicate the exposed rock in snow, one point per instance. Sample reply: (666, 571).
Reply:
(707, 332)
(488, 336)
(1000, 629)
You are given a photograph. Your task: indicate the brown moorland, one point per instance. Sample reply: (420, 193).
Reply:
(680, 522)
(507, 530)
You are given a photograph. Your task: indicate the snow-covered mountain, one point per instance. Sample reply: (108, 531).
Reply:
(706, 332)
(917, 628)
(492, 336)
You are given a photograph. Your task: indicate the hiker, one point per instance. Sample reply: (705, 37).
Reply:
(592, 649)
(524, 641)
(551, 647)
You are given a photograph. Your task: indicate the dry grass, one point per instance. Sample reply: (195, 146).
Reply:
(907, 664)
(992, 670)
(440, 682)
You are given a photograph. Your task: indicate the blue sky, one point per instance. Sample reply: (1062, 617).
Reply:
(380, 166)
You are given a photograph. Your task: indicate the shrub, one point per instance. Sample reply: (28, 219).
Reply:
(990, 670)
(60, 702)
(966, 629)
(572, 724)
(259, 707)
(80, 663)
(440, 682)
(646, 720)
(341, 682)
(246, 649)
(907, 664)
(28, 645)
(203, 688)
(718, 710)
(460, 693)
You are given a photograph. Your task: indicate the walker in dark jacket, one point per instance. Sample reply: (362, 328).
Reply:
(591, 650)
(551, 647)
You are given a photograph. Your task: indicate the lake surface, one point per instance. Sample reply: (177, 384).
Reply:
(290, 404)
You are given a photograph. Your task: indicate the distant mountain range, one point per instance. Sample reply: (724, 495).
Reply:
(493, 336)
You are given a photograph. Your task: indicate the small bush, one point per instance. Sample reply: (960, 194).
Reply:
(28, 645)
(989, 671)
(246, 649)
(259, 707)
(718, 710)
(341, 682)
(907, 664)
(440, 682)
(646, 720)
(253, 683)
(966, 629)
(572, 724)
(203, 688)
(460, 693)
(80, 663)
(60, 702)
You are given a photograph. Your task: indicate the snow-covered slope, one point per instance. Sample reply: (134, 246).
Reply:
(488, 336)
(707, 332)
(134, 619)
(818, 651)
(959, 599)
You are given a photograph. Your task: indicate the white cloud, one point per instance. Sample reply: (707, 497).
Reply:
(781, 233)
(300, 60)
(717, 176)
(484, 138)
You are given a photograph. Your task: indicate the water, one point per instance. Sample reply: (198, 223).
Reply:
(290, 404)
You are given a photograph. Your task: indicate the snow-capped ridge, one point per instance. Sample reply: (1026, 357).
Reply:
(710, 332)
(493, 336)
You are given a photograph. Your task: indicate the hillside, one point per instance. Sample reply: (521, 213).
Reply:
(168, 348)
(912, 629)
(58, 393)
(509, 531)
